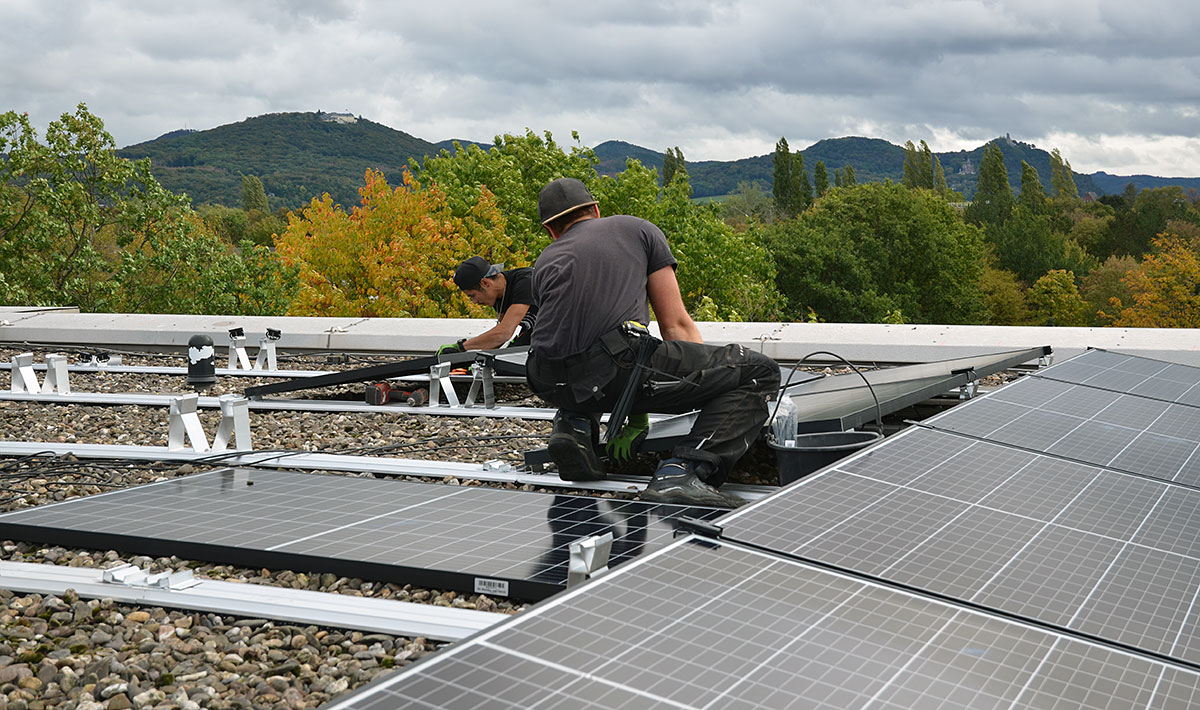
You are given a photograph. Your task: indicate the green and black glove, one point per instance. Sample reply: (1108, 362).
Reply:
(450, 348)
(629, 441)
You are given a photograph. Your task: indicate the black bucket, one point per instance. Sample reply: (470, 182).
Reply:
(817, 450)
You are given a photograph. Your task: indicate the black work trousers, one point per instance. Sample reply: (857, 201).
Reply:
(729, 386)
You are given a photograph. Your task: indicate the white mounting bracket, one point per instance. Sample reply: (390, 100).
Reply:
(128, 575)
(237, 353)
(98, 360)
(185, 425)
(439, 379)
(969, 390)
(57, 379)
(235, 420)
(23, 379)
(482, 375)
(266, 354)
(588, 558)
(1045, 361)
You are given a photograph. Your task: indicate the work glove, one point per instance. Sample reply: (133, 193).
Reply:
(629, 441)
(450, 348)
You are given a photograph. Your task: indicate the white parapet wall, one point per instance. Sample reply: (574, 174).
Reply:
(859, 342)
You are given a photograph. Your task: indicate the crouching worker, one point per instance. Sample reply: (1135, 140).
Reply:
(593, 285)
(509, 292)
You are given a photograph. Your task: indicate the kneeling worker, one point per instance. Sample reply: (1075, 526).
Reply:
(593, 284)
(509, 292)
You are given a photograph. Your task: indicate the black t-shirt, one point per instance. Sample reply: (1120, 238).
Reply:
(518, 288)
(592, 279)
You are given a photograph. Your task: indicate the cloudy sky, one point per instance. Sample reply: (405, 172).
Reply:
(1113, 84)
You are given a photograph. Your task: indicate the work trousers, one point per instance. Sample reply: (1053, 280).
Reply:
(729, 386)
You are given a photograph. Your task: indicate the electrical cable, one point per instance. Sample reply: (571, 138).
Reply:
(789, 383)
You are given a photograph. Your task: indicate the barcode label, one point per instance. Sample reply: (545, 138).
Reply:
(497, 587)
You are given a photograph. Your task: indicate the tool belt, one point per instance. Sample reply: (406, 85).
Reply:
(588, 374)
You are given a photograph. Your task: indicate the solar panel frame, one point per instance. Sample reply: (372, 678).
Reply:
(472, 539)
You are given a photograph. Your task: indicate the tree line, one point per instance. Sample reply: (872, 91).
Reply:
(81, 226)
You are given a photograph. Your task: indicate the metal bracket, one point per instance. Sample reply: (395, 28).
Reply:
(237, 352)
(266, 351)
(1046, 360)
(235, 420)
(968, 390)
(482, 375)
(23, 379)
(588, 558)
(128, 575)
(185, 425)
(439, 379)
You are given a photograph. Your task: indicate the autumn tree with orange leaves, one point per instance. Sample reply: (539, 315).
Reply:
(394, 255)
(1166, 285)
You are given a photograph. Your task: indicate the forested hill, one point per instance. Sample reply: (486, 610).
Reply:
(297, 155)
(873, 160)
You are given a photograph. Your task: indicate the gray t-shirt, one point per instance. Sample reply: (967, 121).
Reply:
(593, 279)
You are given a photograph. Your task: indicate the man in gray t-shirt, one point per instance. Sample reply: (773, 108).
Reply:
(598, 274)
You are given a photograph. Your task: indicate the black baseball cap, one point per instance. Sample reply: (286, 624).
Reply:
(469, 273)
(561, 196)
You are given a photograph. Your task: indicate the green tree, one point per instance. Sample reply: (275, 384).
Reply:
(1004, 297)
(993, 197)
(848, 177)
(926, 159)
(802, 189)
(513, 171)
(1054, 300)
(781, 187)
(939, 179)
(1106, 283)
(1033, 197)
(1133, 229)
(749, 204)
(912, 166)
(81, 226)
(870, 250)
(1062, 180)
(820, 179)
(672, 162)
(254, 196)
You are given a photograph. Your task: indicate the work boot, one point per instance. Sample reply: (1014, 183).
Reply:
(572, 448)
(676, 481)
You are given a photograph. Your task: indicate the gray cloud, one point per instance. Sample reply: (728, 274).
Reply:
(1113, 84)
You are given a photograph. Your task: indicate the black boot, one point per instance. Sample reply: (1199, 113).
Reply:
(676, 481)
(572, 448)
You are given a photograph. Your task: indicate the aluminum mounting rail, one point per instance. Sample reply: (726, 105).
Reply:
(495, 472)
(302, 606)
(238, 372)
(287, 405)
(111, 399)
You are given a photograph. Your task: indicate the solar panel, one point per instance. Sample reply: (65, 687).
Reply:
(1131, 374)
(504, 543)
(1121, 431)
(709, 625)
(843, 402)
(1071, 545)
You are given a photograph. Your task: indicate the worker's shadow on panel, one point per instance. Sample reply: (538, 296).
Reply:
(572, 518)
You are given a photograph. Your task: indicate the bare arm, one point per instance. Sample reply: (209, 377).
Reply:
(501, 332)
(673, 320)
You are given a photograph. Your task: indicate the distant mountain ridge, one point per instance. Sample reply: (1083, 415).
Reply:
(300, 155)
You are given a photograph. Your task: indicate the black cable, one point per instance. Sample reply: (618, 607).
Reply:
(789, 383)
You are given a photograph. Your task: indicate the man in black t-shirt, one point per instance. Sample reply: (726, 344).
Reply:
(509, 292)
